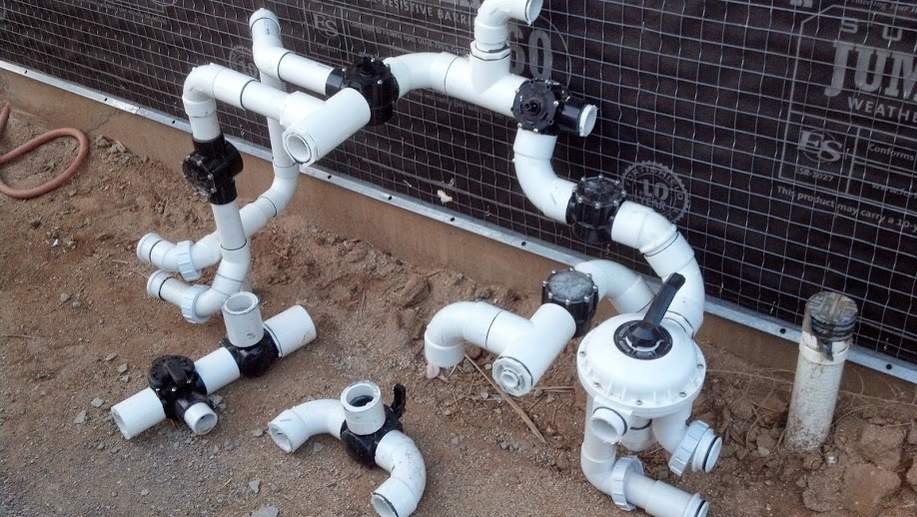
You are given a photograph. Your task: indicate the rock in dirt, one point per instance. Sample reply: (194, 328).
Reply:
(912, 475)
(882, 445)
(743, 409)
(80, 417)
(64, 297)
(96, 402)
(255, 485)
(865, 486)
(823, 490)
(111, 357)
(267, 510)
(258, 433)
(122, 368)
(414, 291)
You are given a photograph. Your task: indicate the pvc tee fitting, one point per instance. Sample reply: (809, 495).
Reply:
(194, 381)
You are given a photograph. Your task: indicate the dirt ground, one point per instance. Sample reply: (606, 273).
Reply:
(77, 333)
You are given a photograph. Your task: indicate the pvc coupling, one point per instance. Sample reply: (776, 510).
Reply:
(372, 433)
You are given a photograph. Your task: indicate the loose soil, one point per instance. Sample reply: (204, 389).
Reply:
(73, 313)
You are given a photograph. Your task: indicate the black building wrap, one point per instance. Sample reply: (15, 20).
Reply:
(761, 127)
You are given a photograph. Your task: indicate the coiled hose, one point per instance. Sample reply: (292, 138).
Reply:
(35, 143)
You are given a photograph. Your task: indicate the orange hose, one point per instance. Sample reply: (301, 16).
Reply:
(35, 143)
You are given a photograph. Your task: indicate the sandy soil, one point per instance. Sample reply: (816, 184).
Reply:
(74, 315)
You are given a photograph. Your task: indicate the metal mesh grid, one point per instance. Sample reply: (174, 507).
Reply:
(786, 173)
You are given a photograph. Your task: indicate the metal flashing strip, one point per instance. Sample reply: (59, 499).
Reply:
(726, 310)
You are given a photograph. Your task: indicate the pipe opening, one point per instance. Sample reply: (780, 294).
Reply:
(241, 303)
(280, 438)
(587, 120)
(200, 418)
(298, 148)
(532, 10)
(360, 396)
(116, 416)
(607, 424)
(383, 507)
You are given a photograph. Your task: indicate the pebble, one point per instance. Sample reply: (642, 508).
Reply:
(111, 357)
(96, 402)
(216, 400)
(144, 492)
(255, 485)
(64, 297)
(122, 368)
(125, 378)
(258, 433)
(76, 304)
(267, 510)
(80, 417)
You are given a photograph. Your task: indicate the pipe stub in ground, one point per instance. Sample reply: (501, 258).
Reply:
(242, 317)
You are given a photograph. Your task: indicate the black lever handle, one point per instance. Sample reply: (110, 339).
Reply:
(663, 299)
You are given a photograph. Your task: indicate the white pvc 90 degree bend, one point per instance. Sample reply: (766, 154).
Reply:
(667, 252)
(361, 407)
(620, 285)
(525, 347)
(491, 29)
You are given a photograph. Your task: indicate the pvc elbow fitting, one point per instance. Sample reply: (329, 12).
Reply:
(400, 494)
(294, 427)
(490, 24)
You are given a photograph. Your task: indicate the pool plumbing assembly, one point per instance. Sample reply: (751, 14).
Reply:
(641, 370)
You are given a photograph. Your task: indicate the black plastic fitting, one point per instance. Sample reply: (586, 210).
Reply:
(255, 360)
(177, 384)
(362, 447)
(547, 107)
(374, 80)
(593, 206)
(575, 292)
(211, 169)
(647, 339)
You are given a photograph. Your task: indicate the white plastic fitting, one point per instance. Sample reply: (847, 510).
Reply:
(525, 347)
(624, 481)
(291, 330)
(310, 138)
(363, 408)
(491, 29)
(242, 317)
(360, 406)
(667, 252)
(621, 286)
(273, 60)
(532, 159)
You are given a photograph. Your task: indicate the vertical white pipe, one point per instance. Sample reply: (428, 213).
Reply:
(242, 317)
(827, 333)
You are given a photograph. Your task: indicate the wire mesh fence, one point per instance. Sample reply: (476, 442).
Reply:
(780, 135)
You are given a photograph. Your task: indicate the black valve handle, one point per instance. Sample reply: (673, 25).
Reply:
(648, 334)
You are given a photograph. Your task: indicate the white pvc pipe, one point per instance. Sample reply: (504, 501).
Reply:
(669, 430)
(667, 252)
(529, 355)
(216, 370)
(309, 139)
(491, 29)
(293, 427)
(525, 347)
(242, 317)
(532, 159)
(598, 460)
(363, 407)
(421, 71)
(815, 390)
(274, 61)
(622, 286)
(400, 494)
